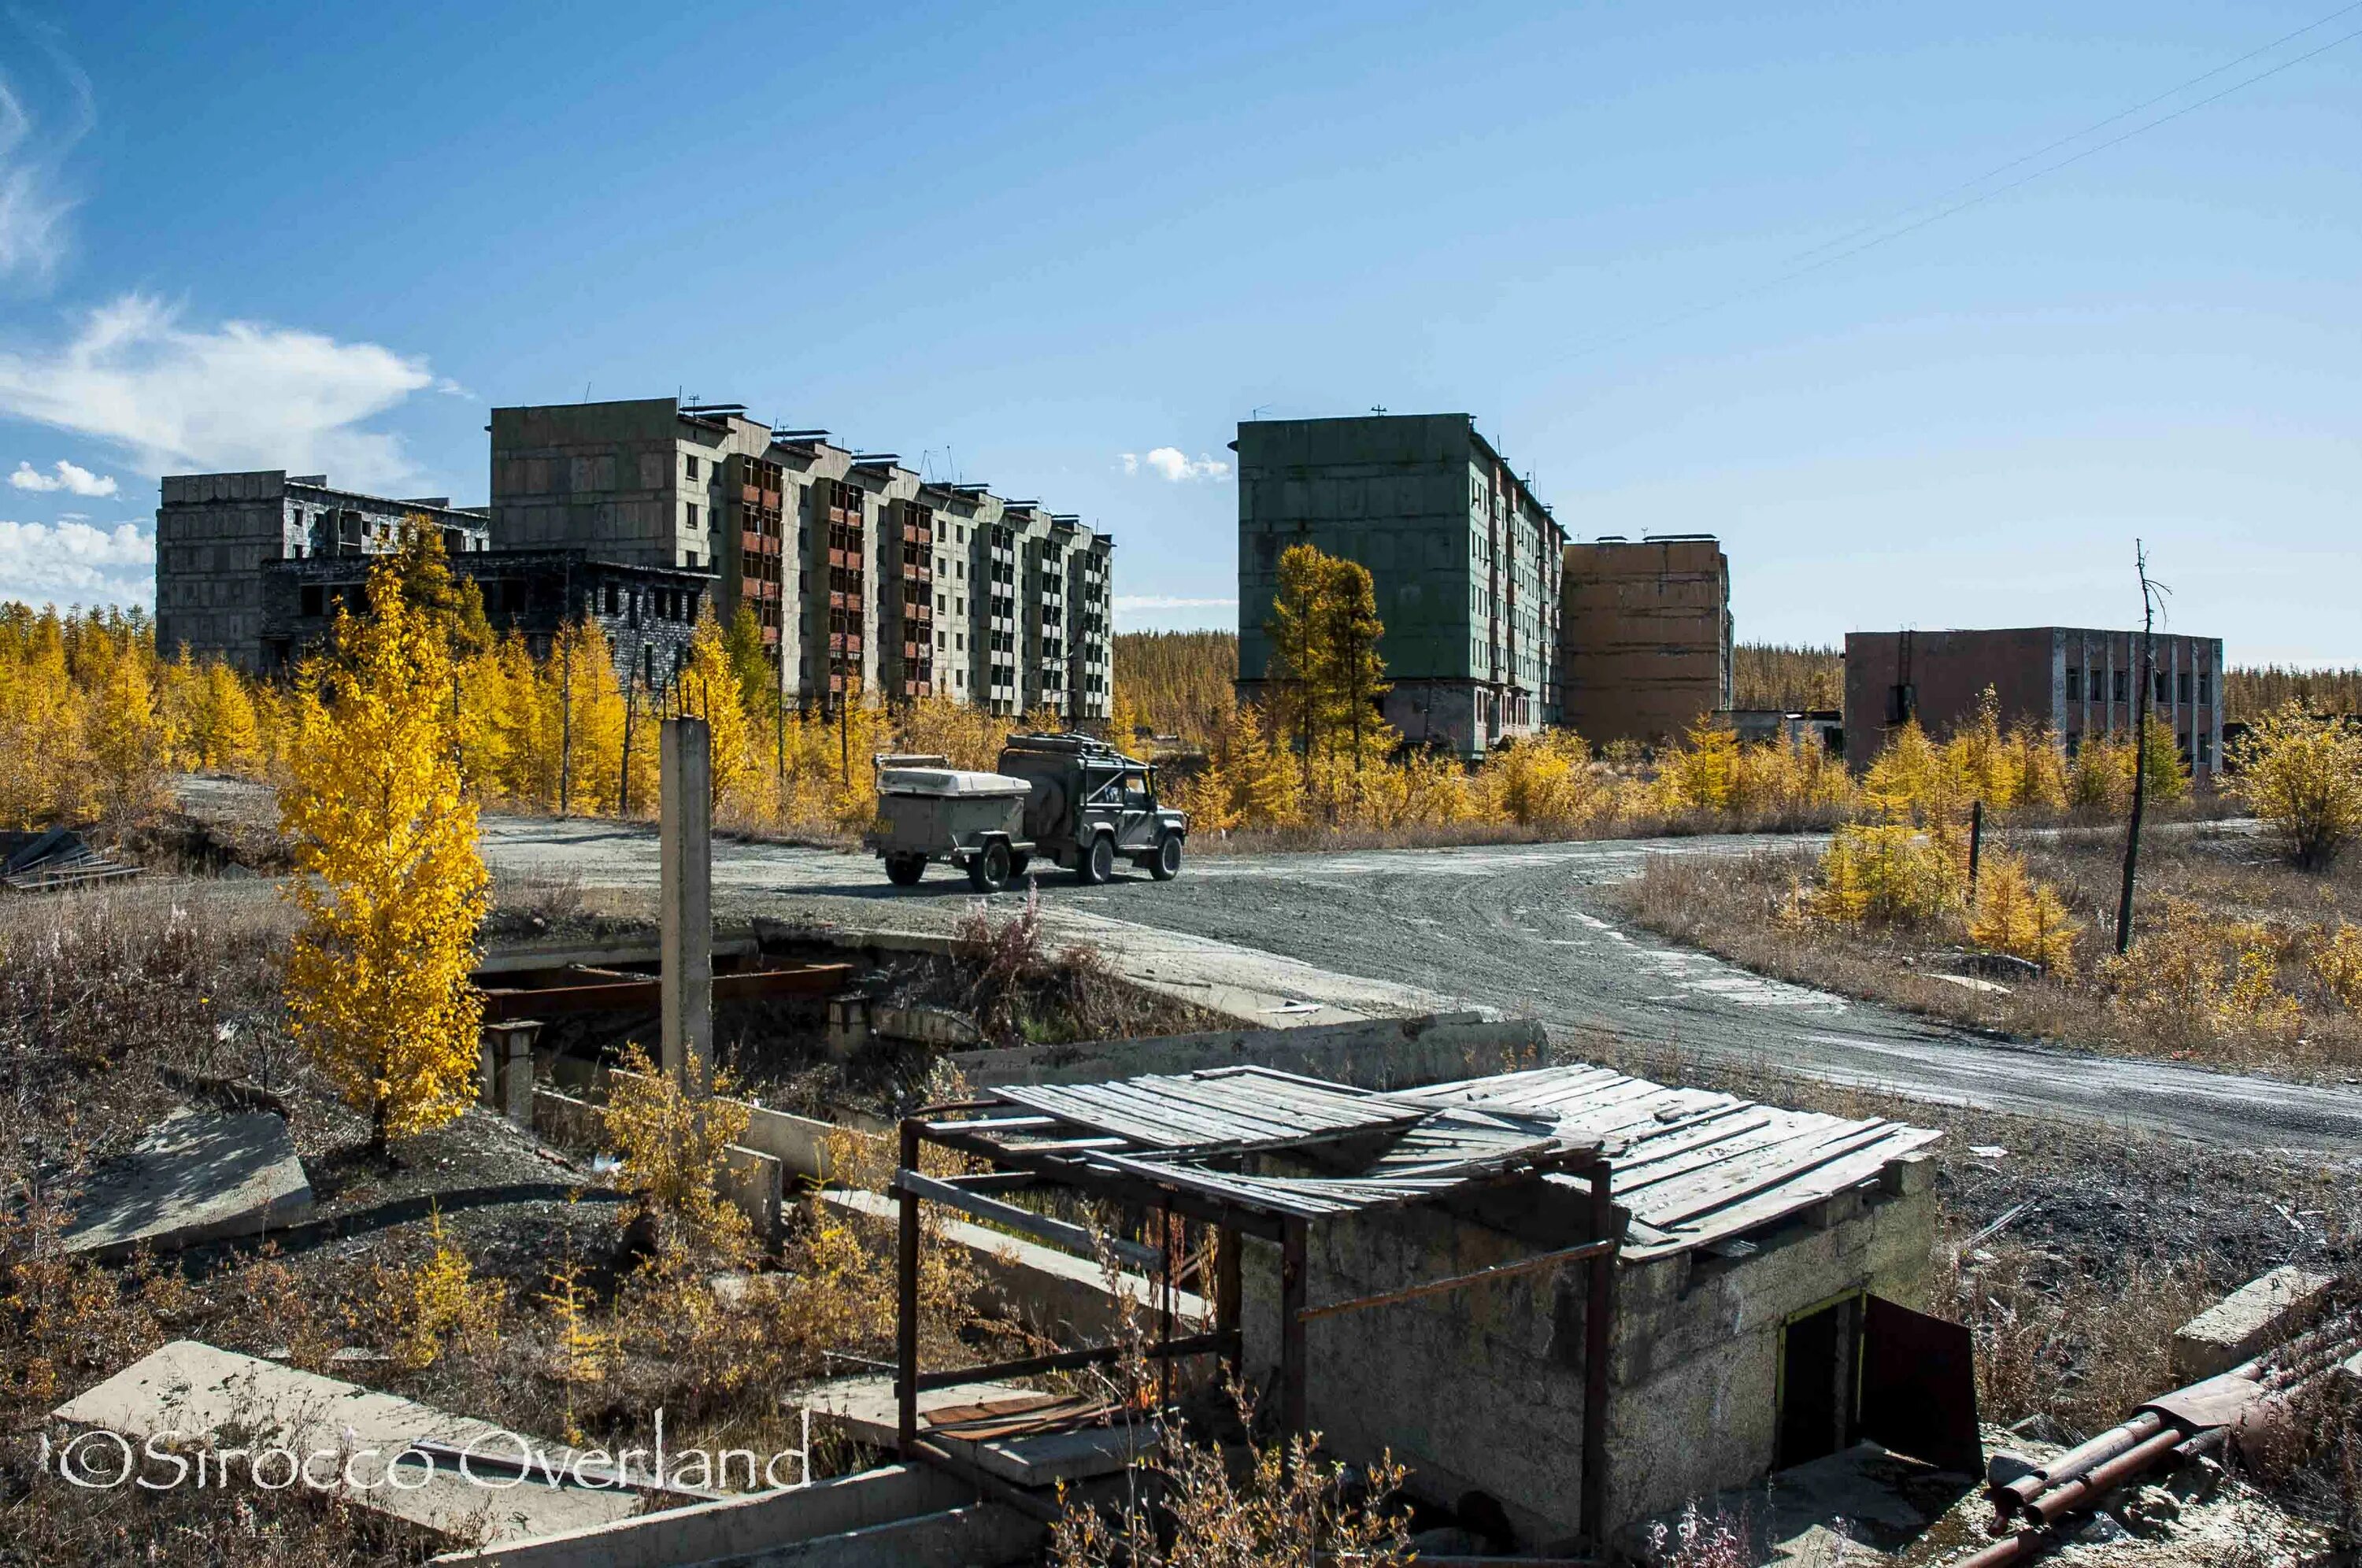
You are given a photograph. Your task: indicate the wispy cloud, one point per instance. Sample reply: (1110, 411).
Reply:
(239, 395)
(70, 476)
(33, 205)
(74, 563)
(1174, 465)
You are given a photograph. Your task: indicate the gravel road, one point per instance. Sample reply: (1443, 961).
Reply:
(1532, 930)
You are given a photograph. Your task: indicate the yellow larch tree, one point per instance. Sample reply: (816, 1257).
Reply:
(388, 879)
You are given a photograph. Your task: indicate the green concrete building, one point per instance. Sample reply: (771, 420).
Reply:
(1466, 561)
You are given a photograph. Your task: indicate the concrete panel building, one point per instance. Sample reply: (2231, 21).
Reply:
(215, 533)
(1644, 635)
(2074, 680)
(864, 577)
(1466, 561)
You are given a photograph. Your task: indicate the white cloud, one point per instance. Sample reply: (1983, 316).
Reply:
(33, 210)
(239, 395)
(69, 475)
(1172, 465)
(73, 563)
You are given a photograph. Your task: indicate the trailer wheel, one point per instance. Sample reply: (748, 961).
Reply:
(1167, 864)
(988, 872)
(1018, 861)
(1097, 866)
(904, 870)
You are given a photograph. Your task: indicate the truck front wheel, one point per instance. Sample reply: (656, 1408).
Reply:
(988, 871)
(903, 870)
(1097, 867)
(1167, 864)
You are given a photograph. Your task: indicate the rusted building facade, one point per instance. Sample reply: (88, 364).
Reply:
(1644, 635)
(2073, 680)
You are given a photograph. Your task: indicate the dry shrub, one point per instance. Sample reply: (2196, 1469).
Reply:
(1000, 957)
(2052, 1340)
(441, 1303)
(2017, 915)
(2195, 975)
(673, 1145)
(1282, 1504)
(1888, 874)
(1699, 1539)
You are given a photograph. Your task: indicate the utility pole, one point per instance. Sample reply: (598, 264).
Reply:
(565, 723)
(2140, 748)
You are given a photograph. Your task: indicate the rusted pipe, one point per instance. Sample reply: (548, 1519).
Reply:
(2032, 1539)
(2105, 1478)
(2016, 1495)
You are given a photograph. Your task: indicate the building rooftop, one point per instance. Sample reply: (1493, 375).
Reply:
(1693, 1166)
(1215, 1133)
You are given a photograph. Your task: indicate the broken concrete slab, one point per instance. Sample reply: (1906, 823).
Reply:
(2248, 1321)
(865, 1407)
(747, 1529)
(362, 1445)
(197, 1176)
(974, 1536)
(1060, 1293)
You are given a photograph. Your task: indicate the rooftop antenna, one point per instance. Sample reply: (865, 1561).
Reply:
(1377, 408)
(586, 392)
(1256, 411)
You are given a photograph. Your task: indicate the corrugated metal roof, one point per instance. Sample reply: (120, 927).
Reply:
(1692, 1165)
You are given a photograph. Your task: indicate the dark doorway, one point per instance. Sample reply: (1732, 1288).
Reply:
(1814, 1380)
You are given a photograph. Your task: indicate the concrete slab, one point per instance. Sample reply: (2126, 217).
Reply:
(864, 1406)
(759, 1528)
(2249, 1320)
(197, 1176)
(1050, 1289)
(1859, 1505)
(194, 1394)
(980, 1536)
(1376, 1052)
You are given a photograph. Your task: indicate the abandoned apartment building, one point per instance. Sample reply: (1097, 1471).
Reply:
(1464, 560)
(2072, 680)
(864, 575)
(1644, 636)
(865, 579)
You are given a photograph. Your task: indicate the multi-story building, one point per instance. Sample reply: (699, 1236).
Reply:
(2073, 681)
(252, 567)
(864, 577)
(1464, 560)
(1644, 635)
(214, 532)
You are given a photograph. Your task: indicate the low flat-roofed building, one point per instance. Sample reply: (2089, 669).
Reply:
(2072, 680)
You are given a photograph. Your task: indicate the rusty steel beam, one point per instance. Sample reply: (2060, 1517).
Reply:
(813, 980)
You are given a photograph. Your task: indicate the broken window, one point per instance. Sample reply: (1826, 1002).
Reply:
(2123, 685)
(2183, 686)
(2074, 685)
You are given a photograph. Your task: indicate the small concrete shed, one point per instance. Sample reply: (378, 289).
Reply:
(1766, 1308)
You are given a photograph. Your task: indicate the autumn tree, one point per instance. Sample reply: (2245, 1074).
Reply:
(710, 689)
(388, 879)
(2302, 776)
(1326, 674)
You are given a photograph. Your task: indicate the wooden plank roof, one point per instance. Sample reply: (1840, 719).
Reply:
(1171, 1131)
(1693, 1166)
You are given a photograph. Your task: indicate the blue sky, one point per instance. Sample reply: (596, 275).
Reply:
(1025, 242)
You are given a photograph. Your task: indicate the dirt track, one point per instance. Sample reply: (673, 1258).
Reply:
(1530, 930)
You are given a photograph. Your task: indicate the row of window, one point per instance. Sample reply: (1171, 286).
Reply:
(2171, 686)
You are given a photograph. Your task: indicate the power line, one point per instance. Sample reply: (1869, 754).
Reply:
(1984, 196)
(2073, 137)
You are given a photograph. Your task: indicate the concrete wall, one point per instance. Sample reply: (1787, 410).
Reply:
(1379, 1054)
(2072, 680)
(1464, 560)
(1483, 1387)
(1644, 637)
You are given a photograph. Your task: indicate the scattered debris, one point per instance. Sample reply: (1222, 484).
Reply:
(41, 863)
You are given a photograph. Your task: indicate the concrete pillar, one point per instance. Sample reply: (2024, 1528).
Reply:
(686, 988)
(506, 1073)
(849, 1024)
